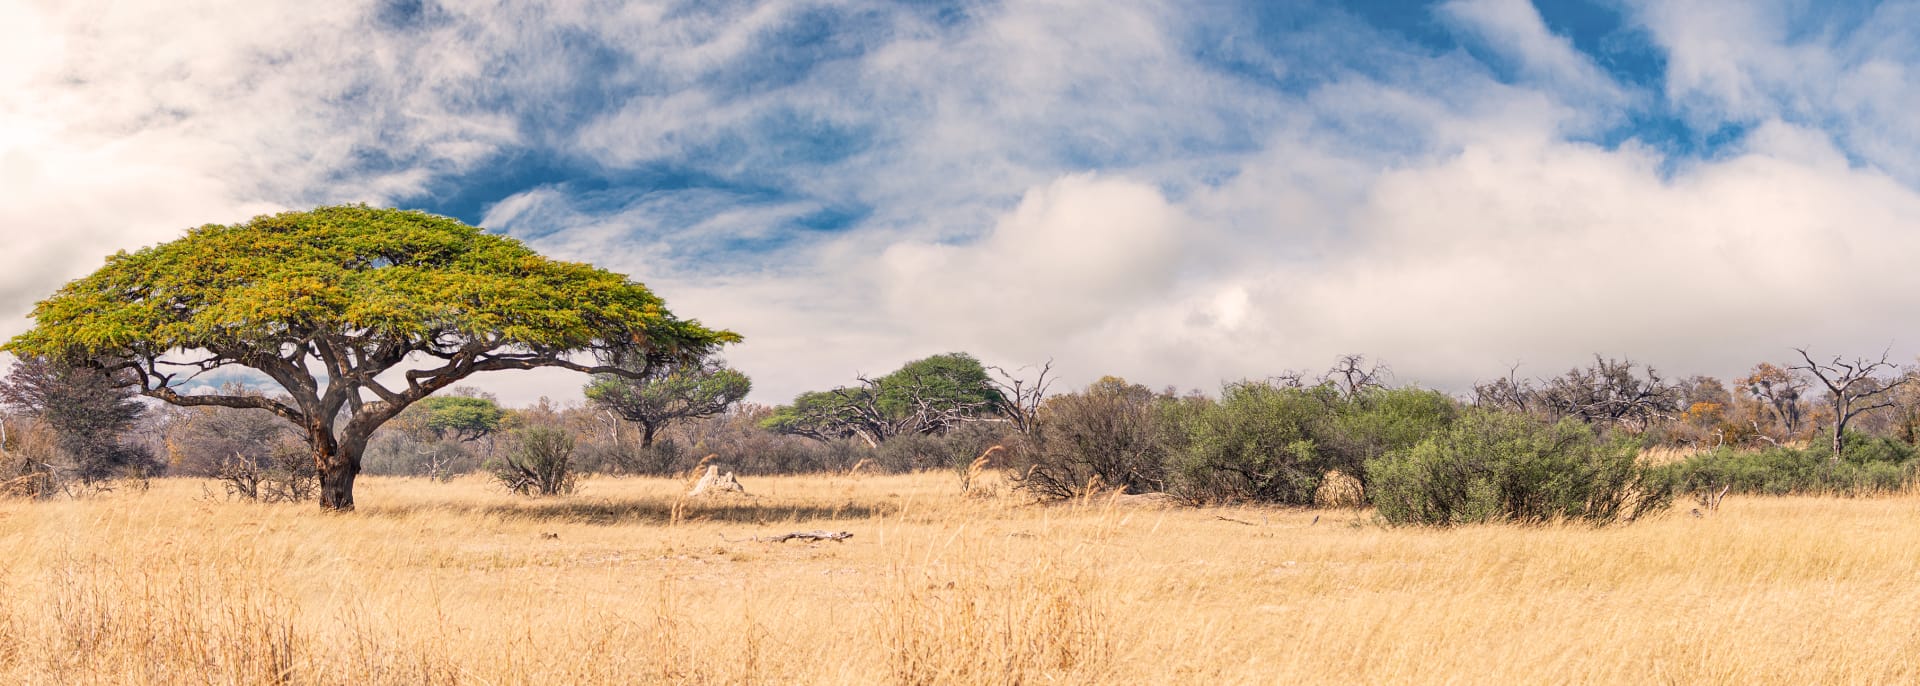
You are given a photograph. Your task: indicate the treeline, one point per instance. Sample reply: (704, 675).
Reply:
(1608, 441)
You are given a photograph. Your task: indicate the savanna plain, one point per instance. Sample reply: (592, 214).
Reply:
(632, 582)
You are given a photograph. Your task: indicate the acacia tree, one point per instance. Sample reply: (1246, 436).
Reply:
(459, 418)
(926, 396)
(670, 393)
(356, 313)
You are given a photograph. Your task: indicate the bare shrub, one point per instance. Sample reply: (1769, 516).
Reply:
(1109, 434)
(26, 454)
(286, 475)
(539, 463)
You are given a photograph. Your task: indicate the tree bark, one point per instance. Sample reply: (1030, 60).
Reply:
(647, 430)
(337, 463)
(336, 487)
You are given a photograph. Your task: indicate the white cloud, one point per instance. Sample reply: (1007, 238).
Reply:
(1071, 255)
(1047, 179)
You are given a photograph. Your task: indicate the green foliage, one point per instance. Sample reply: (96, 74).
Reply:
(327, 301)
(395, 276)
(1497, 466)
(826, 415)
(458, 418)
(926, 396)
(1378, 421)
(1261, 442)
(953, 386)
(670, 392)
(540, 463)
(1871, 466)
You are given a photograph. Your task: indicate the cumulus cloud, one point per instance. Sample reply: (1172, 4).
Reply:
(1070, 255)
(1134, 187)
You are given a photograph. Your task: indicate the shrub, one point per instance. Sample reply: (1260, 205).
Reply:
(395, 454)
(1870, 466)
(540, 463)
(1493, 466)
(1261, 442)
(665, 457)
(1379, 421)
(954, 449)
(1107, 434)
(287, 474)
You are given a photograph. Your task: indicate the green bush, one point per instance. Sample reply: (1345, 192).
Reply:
(1492, 466)
(1260, 442)
(1378, 421)
(1870, 466)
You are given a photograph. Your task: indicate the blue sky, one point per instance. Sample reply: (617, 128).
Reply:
(1179, 193)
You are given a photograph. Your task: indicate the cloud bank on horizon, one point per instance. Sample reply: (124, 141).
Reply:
(1179, 194)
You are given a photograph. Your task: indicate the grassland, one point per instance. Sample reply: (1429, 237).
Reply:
(626, 583)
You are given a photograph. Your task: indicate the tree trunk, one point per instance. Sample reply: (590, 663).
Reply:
(337, 465)
(1839, 435)
(336, 486)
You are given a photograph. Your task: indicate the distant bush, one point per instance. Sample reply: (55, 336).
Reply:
(1869, 466)
(953, 450)
(287, 474)
(1495, 466)
(1260, 442)
(1378, 421)
(1107, 435)
(664, 458)
(539, 463)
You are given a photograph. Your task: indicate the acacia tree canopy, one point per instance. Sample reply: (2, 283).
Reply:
(460, 418)
(671, 393)
(929, 395)
(324, 302)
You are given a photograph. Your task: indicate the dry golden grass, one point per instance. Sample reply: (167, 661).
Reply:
(457, 584)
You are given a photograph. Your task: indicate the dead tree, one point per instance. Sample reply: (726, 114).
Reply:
(1780, 389)
(1019, 399)
(1607, 394)
(1510, 393)
(1610, 393)
(1352, 375)
(1853, 388)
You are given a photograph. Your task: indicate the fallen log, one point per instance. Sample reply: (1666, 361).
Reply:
(815, 535)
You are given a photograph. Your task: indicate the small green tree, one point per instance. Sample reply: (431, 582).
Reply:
(340, 307)
(670, 393)
(459, 418)
(1377, 421)
(926, 396)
